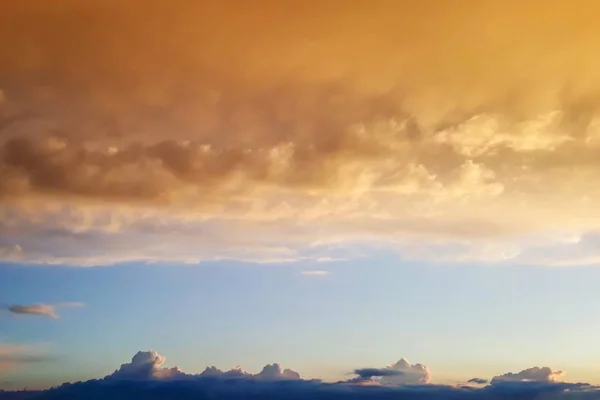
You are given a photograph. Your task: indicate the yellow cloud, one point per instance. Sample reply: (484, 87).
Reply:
(412, 123)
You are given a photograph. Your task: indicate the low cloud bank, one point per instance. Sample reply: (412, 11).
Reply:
(207, 388)
(146, 378)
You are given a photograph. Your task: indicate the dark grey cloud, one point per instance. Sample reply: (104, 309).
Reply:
(478, 381)
(367, 373)
(230, 389)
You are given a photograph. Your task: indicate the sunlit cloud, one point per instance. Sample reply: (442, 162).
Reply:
(535, 374)
(147, 365)
(279, 147)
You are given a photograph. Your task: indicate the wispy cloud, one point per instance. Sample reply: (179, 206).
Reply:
(17, 355)
(315, 272)
(43, 310)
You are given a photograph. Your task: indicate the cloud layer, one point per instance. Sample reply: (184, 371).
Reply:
(145, 377)
(17, 355)
(463, 133)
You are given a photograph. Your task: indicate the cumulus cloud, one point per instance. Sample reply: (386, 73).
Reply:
(274, 371)
(400, 373)
(147, 365)
(43, 310)
(146, 377)
(534, 374)
(215, 372)
(374, 126)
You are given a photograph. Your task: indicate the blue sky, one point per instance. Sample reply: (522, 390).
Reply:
(461, 321)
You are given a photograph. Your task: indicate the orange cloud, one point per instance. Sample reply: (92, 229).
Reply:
(473, 127)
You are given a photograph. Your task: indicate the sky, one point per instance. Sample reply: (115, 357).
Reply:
(333, 186)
